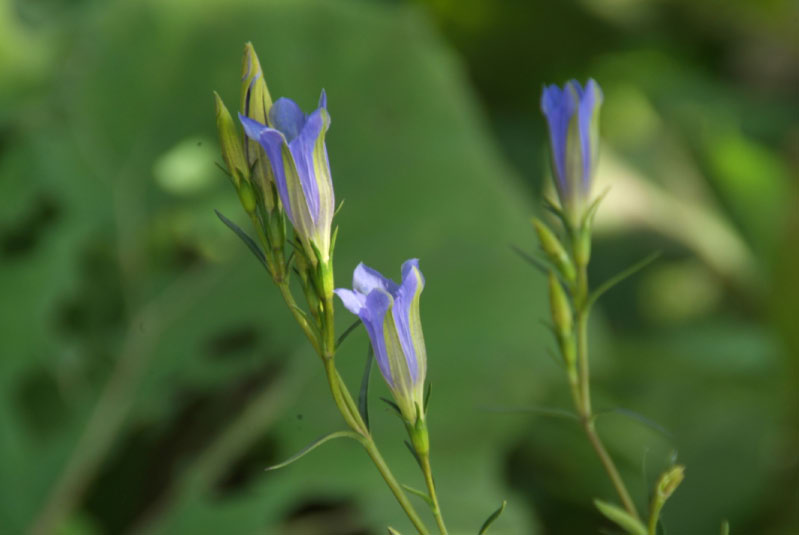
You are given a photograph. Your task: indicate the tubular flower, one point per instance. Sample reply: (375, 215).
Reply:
(294, 143)
(573, 117)
(390, 313)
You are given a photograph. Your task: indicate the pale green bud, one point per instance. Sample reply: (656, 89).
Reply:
(418, 433)
(554, 250)
(255, 104)
(562, 320)
(559, 305)
(669, 481)
(230, 141)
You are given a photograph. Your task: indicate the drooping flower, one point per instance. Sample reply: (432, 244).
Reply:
(294, 143)
(573, 117)
(390, 313)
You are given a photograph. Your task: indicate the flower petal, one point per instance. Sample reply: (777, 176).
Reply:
(366, 279)
(286, 116)
(558, 107)
(373, 315)
(408, 321)
(353, 301)
(590, 100)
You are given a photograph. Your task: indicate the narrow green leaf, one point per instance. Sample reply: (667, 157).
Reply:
(243, 236)
(347, 332)
(639, 418)
(533, 261)
(588, 218)
(553, 412)
(363, 395)
(420, 494)
(413, 452)
(621, 518)
(334, 238)
(555, 209)
(392, 531)
(223, 168)
(725, 527)
(392, 405)
(313, 445)
(613, 281)
(339, 207)
(427, 396)
(492, 517)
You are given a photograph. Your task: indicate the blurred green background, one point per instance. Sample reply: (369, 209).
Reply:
(148, 372)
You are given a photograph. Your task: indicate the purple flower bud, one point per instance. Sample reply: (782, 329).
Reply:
(573, 117)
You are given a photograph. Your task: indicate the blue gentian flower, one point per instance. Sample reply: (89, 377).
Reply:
(573, 117)
(390, 313)
(295, 145)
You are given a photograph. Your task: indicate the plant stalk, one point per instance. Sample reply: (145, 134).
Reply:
(584, 393)
(431, 488)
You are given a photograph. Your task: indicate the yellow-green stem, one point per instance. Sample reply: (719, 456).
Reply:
(654, 515)
(431, 488)
(584, 407)
(396, 489)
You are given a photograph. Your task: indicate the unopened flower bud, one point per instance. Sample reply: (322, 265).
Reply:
(255, 104)
(559, 305)
(554, 250)
(669, 481)
(230, 141)
(573, 117)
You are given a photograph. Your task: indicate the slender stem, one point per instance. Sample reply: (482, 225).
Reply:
(583, 395)
(399, 494)
(285, 291)
(610, 467)
(326, 347)
(336, 389)
(428, 479)
(582, 355)
(654, 515)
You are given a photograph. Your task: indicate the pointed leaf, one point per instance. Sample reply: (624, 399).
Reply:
(613, 281)
(363, 395)
(347, 332)
(313, 445)
(639, 418)
(588, 218)
(621, 518)
(533, 261)
(392, 531)
(555, 209)
(339, 207)
(553, 412)
(427, 396)
(392, 405)
(420, 494)
(492, 517)
(243, 236)
(413, 452)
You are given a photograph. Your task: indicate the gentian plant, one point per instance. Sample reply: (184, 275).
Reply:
(277, 161)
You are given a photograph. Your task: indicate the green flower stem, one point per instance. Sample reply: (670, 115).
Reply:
(391, 481)
(285, 291)
(344, 401)
(582, 307)
(654, 515)
(431, 487)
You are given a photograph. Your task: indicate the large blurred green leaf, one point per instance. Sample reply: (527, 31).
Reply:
(421, 178)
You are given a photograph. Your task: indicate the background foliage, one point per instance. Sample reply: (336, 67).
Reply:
(148, 371)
